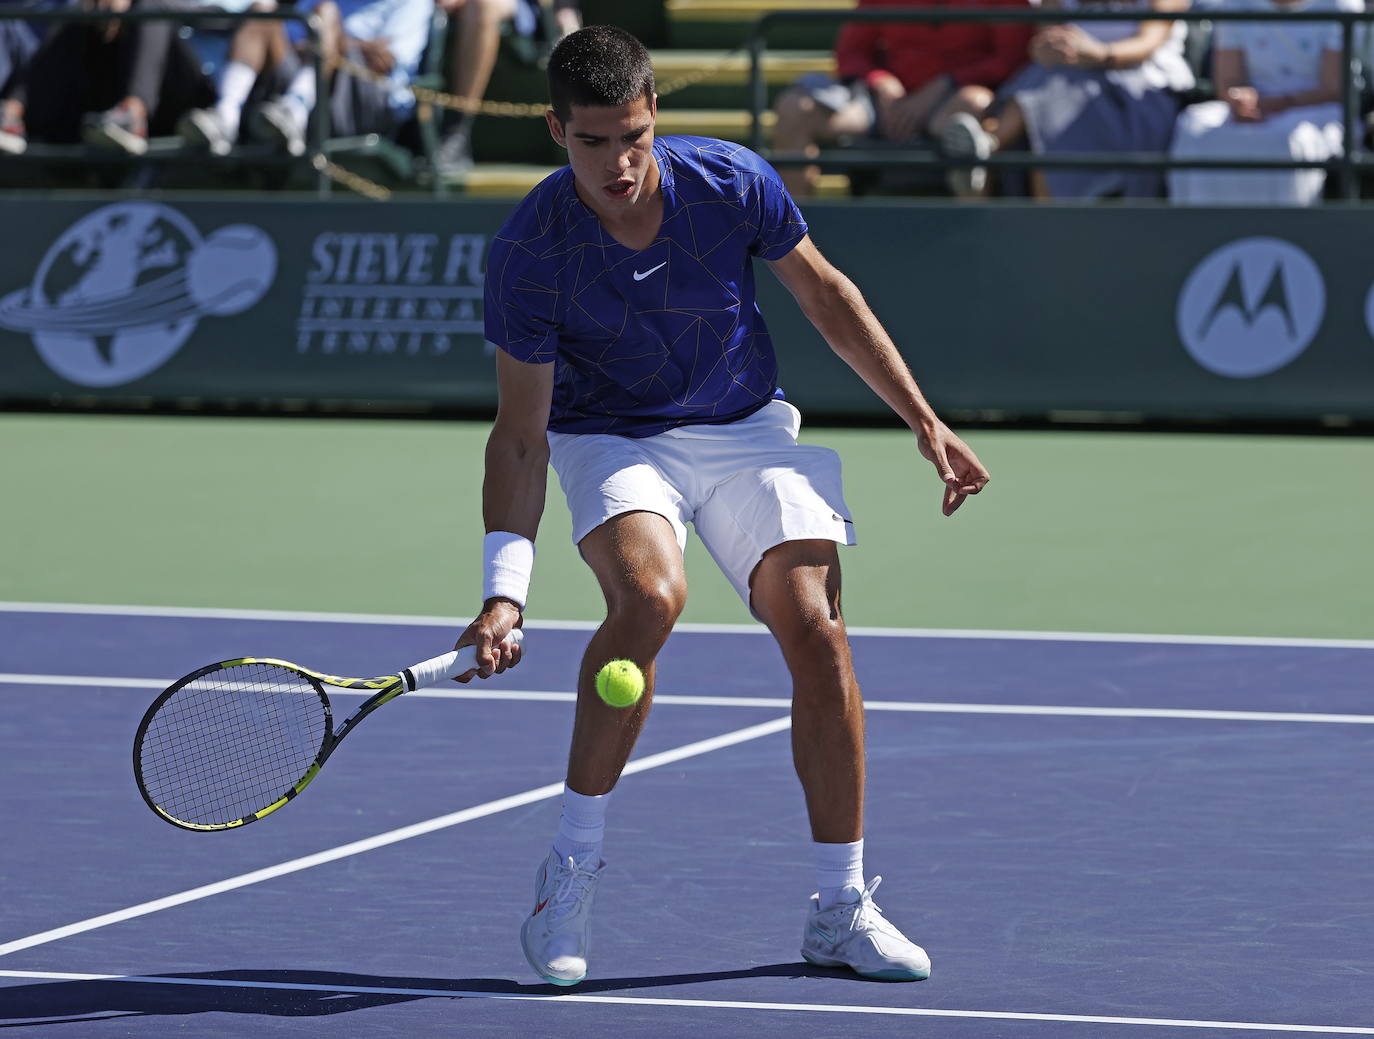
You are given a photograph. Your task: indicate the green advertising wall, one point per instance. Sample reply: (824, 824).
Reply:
(1153, 313)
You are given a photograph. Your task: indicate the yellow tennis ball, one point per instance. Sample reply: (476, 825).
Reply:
(620, 683)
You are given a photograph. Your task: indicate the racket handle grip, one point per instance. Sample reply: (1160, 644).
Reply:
(447, 665)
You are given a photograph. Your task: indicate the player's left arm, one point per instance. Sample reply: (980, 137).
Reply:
(843, 317)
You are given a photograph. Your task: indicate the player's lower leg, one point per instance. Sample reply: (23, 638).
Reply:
(603, 736)
(637, 561)
(796, 592)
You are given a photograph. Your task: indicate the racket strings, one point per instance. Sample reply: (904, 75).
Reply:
(228, 744)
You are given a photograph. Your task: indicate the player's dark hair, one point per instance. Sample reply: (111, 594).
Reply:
(598, 65)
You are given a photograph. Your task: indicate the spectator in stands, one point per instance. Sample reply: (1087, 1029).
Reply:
(567, 19)
(371, 51)
(109, 83)
(475, 28)
(1092, 87)
(474, 37)
(18, 42)
(1279, 87)
(898, 81)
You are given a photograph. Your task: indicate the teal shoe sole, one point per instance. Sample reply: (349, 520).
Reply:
(563, 982)
(896, 975)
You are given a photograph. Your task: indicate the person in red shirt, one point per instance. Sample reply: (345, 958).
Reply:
(899, 80)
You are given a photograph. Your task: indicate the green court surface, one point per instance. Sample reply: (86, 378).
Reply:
(1124, 532)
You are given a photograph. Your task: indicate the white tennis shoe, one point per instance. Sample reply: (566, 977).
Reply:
(554, 936)
(965, 138)
(854, 933)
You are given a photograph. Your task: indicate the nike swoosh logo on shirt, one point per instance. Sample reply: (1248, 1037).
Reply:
(641, 277)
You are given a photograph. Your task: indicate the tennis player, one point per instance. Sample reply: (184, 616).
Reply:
(631, 355)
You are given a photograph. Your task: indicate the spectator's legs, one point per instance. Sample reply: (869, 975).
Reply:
(1008, 128)
(301, 90)
(158, 76)
(803, 125)
(283, 120)
(256, 47)
(332, 41)
(13, 136)
(1009, 131)
(972, 100)
(72, 73)
(471, 57)
(143, 51)
(17, 45)
(567, 17)
(966, 129)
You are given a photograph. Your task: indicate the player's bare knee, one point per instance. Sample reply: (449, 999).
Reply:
(813, 637)
(651, 603)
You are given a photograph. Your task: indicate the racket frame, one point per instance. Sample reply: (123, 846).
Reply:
(387, 687)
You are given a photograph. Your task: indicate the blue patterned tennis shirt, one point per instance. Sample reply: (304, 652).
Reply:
(652, 339)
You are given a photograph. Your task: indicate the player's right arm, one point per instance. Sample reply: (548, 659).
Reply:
(517, 461)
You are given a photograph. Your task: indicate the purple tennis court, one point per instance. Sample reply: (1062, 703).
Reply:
(1093, 836)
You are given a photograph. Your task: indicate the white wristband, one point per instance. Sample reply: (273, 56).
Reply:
(507, 561)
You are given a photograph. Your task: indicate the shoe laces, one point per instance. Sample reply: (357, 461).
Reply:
(867, 915)
(572, 884)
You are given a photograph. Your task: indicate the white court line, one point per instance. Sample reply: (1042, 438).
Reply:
(667, 757)
(458, 623)
(678, 1004)
(781, 703)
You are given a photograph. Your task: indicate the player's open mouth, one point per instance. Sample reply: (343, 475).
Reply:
(620, 189)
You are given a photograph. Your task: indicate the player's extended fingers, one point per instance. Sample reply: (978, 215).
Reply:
(953, 499)
(943, 466)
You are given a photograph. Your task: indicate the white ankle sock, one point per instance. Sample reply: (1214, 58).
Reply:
(302, 90)
(582, 827)
(838, 866)
(235, 84)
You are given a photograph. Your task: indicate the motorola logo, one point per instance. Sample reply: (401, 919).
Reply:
(1251, 307)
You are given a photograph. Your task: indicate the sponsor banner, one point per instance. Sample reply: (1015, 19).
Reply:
(273, 302)
(1156, 312)
(1020, 310)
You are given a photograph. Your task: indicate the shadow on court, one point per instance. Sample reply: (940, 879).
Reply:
(289, 993)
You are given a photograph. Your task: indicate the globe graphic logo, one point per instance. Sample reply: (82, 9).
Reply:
(119, 293)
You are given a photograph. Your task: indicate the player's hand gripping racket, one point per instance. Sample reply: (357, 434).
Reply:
(235, 741)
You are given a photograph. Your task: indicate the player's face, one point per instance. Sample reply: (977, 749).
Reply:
(610, 150)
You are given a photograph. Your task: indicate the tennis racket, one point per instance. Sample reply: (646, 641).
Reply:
(234, 741)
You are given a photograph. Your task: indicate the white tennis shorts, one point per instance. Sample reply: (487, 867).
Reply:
(746, 486)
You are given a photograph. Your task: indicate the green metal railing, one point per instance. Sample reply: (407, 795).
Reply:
(316, 148)
(1348, 166)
